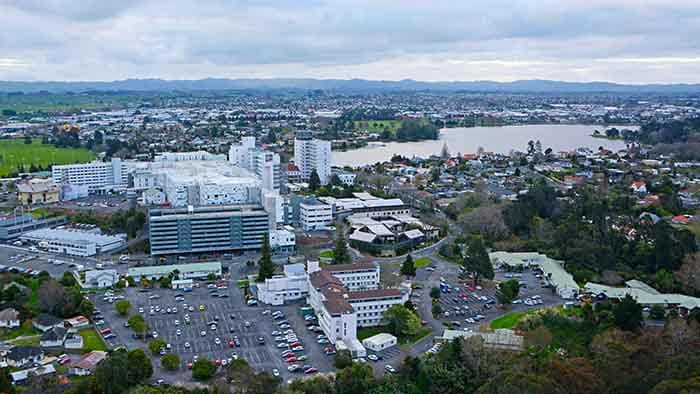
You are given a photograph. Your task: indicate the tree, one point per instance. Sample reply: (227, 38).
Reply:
(109, 375)
(203, 369)
(140, 367)
(170, 362)
(314, 181)
(27, 140)
(408, 268)
(477, 260)
(657, 312)
(6, 386)
(138, 324)
(436, 309)
(341, 255)
(122, 307)
(356, 379)
(165, 282)
(155, 346)
(240, 374)
(266, 269)
(508, 291)
(628, 314)
(401, 321)
(435, 293)
(68, 280)
(86, 307)
(51, 296)
(342, 359)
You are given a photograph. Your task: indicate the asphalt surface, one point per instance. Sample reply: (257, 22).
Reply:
(232, 314)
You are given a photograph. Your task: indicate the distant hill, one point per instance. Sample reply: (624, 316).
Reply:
(356, 85)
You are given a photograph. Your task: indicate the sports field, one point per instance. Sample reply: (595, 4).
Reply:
(14, 153)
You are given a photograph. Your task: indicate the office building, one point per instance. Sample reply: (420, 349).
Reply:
(239, 154)
(98, 176)
(207, 229)
(264, 164)
(312, 154)
(365, 204)
(315, 215)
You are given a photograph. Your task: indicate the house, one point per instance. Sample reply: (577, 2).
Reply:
(639, 187)
(573, 180)
(21, 376)
(37, 191)
(23, 356)
(87, 365)
(681, 219)
(45, 322)
(9, 318)
(53, 337)
(74, 341)
(78, 322)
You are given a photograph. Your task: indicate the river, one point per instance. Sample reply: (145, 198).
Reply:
(493, 139)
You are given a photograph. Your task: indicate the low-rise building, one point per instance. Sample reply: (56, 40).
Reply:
(24, 356)
(501, 339)
(315, 215)
(643, 294)
(53, 338)
(44, 322)
(74, 242)
(37, 191)
(292, 285)
(185, 271)
(553, 271)
(100, 279)
(88, 364)
(9, 318)
(380, 342)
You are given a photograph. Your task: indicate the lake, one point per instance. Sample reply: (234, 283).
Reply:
(493, 139)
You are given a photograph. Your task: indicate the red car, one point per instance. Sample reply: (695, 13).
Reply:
(64, 360)
(189, 365)
(292, 360)
(311, 371)
(329, 349)
(295, 344)
(106, 331)
(231, 344)
(217, 362)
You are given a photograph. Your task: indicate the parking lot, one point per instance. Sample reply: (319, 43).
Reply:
(234, 322)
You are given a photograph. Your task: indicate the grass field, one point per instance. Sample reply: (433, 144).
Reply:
(63, 102)
(92, 340)
(421, 262)
(377, 126)
(14, 152)
(508, 320)
(326, 254)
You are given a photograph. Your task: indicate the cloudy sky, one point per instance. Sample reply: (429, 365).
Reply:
(629, 41)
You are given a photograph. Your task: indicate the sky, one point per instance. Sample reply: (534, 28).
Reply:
(624, 41)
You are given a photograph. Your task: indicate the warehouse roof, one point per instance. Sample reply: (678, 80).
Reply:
(166, 269)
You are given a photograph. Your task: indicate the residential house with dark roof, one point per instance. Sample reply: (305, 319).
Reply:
(53, 338)
(9, 318)
(45, 322)
(24, 356)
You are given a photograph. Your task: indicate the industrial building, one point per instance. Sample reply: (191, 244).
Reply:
(207, 229)
(13, 226)
(74, 242)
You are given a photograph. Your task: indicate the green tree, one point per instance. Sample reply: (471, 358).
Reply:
(138, 324)
(628, 314)
(508, 291)
(657, 312)
(436, 309)
(170, 362)
(408, 267)
(356, 379)
(203, 369)
(341, 254)
(342, 359)
(27, 140)
(140, 368)
(122, 307)
(314, 181)
(155, 346)
(165, 282)
(68, 280)
(86, 307)
(435, 293)
(477, 260)
(6, 386)
(266, 269)
(109, 375)
(401, 321)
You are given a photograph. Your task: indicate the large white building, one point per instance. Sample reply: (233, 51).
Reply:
(365, 204)
(348, 296)
(312, 154)
(239, 154)
(292, 285)
(265, 164)
(315, 215)
(75, 242)
(96, 175)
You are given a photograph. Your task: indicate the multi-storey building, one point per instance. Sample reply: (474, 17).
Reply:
(207, 229)
(239, 154)
(348, 296)
(312, 154)
(315, 215)
(97, 175)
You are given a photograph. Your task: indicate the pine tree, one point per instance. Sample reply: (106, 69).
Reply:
(341, 255)
(408, 268)
(266, 268)
(314, 181)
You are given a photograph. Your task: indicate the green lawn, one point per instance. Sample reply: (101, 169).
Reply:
(326, 254)
(508, 320)
(364, 333)
(16, 153)
(421, 262)
(25, 330)
(92, 340)
(377, 126)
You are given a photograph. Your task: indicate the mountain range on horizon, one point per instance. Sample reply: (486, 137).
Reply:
(354, 85)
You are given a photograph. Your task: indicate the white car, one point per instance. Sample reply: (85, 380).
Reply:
(203, 333)
(217, 341)
(275, 372)
(155, 335)
(187, 345)
(177, 322)
(390, 369)
(178, 332)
